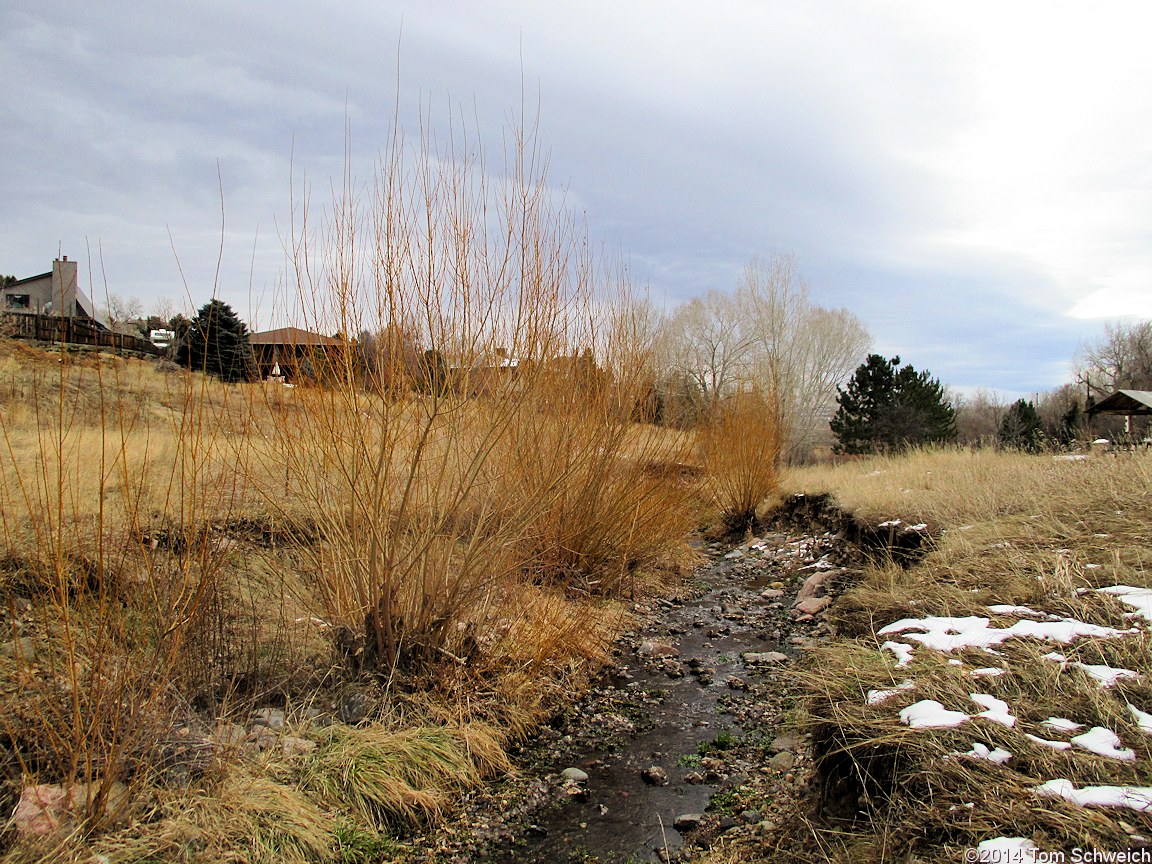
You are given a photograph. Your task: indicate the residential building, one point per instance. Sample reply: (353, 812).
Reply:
(54, 293)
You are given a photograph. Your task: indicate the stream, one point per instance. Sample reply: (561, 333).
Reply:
(658, 757)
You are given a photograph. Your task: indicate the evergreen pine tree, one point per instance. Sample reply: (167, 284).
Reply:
(216, 342)
(1021, 428)
(433, 373)
(1070, 423)
(886, 407)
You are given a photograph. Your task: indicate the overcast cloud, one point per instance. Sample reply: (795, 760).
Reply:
(973, 180)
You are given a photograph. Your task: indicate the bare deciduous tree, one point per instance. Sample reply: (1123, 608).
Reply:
(1120, 359)
(121, 312)
(803, 351)
(978, 416)
(164, 309)
(710, 341)
(769, 334)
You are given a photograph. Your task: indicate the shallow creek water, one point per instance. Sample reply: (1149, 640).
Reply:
(694, 695)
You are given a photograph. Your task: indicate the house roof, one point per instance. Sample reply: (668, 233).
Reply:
(1132, 402)
(291, 336)
(27, 279)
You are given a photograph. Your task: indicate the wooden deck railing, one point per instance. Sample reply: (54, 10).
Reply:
(74, 331)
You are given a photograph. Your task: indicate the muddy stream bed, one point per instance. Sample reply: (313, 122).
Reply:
(686, 737)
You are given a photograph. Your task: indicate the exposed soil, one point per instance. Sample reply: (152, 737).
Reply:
(687, 737)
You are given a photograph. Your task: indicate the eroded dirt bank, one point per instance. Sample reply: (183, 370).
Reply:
(692, 732)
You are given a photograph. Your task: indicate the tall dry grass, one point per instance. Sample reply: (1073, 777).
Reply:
(508, 450)
(460, 509)
(99, 616)
(740, 445)
(1015, 529)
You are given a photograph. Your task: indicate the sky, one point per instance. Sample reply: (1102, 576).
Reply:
(972, 180)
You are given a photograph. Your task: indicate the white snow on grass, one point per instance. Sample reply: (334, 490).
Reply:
(1055, 745)
(1007, 850)
(1004, 609)
(875, 697)
(1139, 599)
(1137, 798)
(980, 751)
(1144, 721)
(996, 710)
(1104, 742)
(903, 652)
(949, 634)
(987, 672)
(930, 714)
(1106, 675)
(1062, 724)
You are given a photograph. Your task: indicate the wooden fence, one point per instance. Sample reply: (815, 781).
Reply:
(74, 331)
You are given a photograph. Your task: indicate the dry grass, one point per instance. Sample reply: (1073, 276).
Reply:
(740, 448)
(1011, 529)
(179, 552)
(178, 583)
(387, 778)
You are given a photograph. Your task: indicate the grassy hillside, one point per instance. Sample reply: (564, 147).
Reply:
(258, 623)
(1020, 543)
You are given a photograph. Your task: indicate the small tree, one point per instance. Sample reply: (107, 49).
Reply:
(216, 342)
(433, 373)
(123, 314)
(886, 407)
(1021, 428)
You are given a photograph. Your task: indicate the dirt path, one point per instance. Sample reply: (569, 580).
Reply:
(687, 737)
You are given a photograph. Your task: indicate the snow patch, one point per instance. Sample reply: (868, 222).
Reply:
(996, 709)
(1055, 745)
(1007, 850)
(1137, 798)
(1144, 721)
(1005, 609)
(949, 634)
(987, 672)
(1061, 724)
(1106, 675)
(930, 714)
(1104, 742)
(1139, 599)
(875, 697)
(981, 751)
(903, 652)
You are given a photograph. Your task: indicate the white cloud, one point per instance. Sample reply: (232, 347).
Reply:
(974, 179)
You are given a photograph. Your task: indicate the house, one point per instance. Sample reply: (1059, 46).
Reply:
(289, 353)
(162, 338)
(54, 293)
(485, 374)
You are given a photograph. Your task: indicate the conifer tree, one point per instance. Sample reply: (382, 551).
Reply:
(1021, 428)
(888, 407)
(216, 343)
